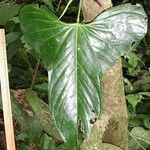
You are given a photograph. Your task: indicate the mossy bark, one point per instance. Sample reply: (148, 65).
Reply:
(112, 126)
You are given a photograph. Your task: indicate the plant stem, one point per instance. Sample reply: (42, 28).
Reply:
(79, 11)
(70, 1)
(35, 73)
(58, 5)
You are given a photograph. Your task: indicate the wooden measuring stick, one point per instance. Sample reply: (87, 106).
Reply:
(5, 91)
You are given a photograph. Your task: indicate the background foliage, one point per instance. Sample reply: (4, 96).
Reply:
(25, 71)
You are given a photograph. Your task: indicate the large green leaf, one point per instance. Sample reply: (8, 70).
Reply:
(75, 56)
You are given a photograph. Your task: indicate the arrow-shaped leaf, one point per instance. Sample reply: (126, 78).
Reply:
(75, 56)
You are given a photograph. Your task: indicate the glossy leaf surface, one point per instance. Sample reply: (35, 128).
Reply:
(75, 56)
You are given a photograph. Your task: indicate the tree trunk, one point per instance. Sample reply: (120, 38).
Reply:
(112, 126)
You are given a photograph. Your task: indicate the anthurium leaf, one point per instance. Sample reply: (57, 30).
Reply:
(75, 56)
(119, 30)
